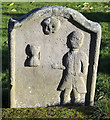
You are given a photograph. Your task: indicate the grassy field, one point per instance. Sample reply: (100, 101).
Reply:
(97, 12)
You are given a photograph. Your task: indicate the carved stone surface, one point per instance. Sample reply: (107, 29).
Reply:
(50, 25)
(76, 64)
(33, 56)
(54, 54)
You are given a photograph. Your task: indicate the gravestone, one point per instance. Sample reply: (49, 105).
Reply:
(54, 54)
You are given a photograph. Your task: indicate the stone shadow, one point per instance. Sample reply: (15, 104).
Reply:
(97, 16)
(104, 64)
(5, 59)
(5, 78)
(29, 55)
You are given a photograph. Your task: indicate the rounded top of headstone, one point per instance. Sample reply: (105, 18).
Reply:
(60, 11)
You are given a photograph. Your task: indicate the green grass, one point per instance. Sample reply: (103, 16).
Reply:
(49, 112)
(98, 12)
(103, 108)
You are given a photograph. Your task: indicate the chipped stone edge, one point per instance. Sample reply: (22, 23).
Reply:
(67, 13)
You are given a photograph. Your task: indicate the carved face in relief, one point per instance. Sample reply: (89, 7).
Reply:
(50, 25)
(76, 39)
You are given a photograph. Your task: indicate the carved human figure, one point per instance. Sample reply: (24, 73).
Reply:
(76, 65)
(75, 70)
(33, 56)
(50, 25)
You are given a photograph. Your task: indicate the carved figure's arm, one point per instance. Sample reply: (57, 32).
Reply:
(56, 66)
(84, 65)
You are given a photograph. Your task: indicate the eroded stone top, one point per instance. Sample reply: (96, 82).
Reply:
(67, 13)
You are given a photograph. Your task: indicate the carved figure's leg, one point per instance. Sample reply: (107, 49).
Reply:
(82, 98)
(67, 95)
(76, 96)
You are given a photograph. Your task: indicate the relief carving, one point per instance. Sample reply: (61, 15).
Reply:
(75, 68)
(50, 25)
(40, 60)
(33, 56)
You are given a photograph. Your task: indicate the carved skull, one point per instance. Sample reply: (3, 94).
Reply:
(50, 25)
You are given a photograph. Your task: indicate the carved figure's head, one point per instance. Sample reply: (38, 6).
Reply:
(76, 39)
(50, 25)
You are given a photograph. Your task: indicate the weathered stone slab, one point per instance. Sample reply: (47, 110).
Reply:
(54, 52)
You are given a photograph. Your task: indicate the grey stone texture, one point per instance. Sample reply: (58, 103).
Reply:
(54, 54)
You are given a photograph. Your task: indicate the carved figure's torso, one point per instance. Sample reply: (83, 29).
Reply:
(76, 67)
(73, 63)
